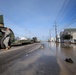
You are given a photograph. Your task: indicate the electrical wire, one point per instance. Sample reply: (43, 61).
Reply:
(13, 21)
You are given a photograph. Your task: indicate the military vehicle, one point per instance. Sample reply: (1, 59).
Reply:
(13, 41)
(2, 34)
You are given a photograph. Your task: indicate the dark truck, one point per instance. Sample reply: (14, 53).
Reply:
(2, 34)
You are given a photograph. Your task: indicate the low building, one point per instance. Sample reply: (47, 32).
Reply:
(23, 38)
(70, 31)
(52, 39)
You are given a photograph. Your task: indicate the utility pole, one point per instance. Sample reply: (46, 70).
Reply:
(56, 31)
(50, 34)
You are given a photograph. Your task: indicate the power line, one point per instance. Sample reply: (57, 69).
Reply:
(73, 18)
(65, 8)
(60, 10)
(67, 25)
(10, 18)
(13, 21)
(70, 13)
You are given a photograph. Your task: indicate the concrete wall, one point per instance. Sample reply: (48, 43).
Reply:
(74, 35)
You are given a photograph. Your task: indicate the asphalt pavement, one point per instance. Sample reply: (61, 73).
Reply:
(47, 59)
(13, 53)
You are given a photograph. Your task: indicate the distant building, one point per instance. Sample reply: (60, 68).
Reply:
(71, 31)
(58, 38)
(52, 39)
(23, 38)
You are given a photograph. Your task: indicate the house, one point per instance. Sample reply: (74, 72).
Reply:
(70, 31)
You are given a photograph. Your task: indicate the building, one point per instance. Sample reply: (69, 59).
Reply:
(23, 38)
(52, 39)
(71, 31)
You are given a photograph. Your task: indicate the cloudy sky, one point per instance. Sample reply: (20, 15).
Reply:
(37, 17)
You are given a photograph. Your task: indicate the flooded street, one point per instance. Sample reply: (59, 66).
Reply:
(63, 51)
(47, 60)
(37, 37)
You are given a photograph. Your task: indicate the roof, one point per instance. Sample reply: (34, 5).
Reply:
(71, 29)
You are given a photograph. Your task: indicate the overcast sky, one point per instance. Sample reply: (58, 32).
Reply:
(37, 17)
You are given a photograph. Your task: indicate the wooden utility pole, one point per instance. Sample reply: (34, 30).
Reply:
(50, 34)
(56, 31)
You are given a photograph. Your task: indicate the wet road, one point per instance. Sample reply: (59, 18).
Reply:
(48, 60)
(16, 52)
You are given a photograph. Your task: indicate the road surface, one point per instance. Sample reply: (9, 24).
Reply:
(41, 59)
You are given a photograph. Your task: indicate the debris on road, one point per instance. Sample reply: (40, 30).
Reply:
(69, 60)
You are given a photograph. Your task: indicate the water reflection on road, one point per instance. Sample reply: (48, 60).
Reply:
(49, 59)
(68, 50)
(63, 51)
